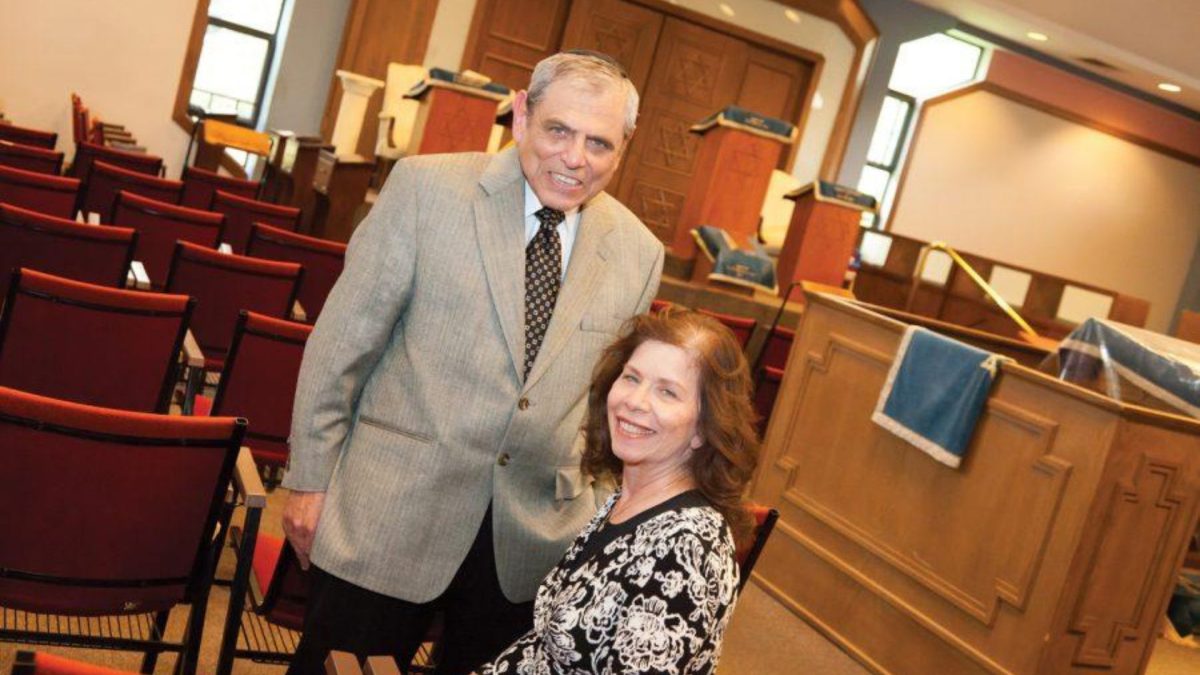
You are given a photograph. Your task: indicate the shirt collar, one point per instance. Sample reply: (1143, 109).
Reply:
(533, 204)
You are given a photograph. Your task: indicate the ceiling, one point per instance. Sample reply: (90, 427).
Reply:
(1147, 41)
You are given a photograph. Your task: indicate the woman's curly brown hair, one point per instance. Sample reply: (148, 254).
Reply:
(723, 466)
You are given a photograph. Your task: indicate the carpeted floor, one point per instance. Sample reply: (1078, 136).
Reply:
(764, 638)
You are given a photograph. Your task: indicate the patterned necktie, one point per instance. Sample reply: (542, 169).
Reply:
(543, 272)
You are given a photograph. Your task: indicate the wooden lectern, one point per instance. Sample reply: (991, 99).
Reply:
(1052, 550)
(733, 170)
(824, 230)
(456, 114)
(339, 188)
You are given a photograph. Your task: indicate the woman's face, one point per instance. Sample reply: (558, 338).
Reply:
(654, 408)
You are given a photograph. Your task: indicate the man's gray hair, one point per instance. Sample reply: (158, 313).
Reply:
(594, 68)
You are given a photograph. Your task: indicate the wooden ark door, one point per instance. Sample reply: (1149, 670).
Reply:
(684, 71)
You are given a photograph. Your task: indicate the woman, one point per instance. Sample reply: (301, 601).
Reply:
(650, 583)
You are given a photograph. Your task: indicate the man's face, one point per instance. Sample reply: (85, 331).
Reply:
(571, 142)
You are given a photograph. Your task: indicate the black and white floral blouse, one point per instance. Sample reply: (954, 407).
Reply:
(650, 595)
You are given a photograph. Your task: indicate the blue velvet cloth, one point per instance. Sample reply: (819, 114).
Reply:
(935, 392)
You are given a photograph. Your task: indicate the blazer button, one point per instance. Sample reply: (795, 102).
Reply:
(523, 404)
(503, 459)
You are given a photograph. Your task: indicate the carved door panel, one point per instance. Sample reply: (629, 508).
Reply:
(627, 32)
(696, 72)
(509, 37)
(774, 84)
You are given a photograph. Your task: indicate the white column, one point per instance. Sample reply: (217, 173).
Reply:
(356, 92)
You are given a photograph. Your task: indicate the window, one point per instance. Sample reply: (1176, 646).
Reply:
(235, 59)
(924, 68)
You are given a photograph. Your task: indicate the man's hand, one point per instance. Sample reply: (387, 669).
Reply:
(300, 517)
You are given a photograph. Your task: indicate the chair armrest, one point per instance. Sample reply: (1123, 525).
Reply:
(191, 351)
(341, 663)
(381, 665)
(298, 313)
(247, 481)
(193, 358)
(137, 277)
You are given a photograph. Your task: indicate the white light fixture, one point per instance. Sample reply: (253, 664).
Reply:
(792, 15)
(818, 101)
(1167, 86)
(725, 9)
(1037, 37)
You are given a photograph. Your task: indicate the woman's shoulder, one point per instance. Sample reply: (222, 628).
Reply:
(692, 514)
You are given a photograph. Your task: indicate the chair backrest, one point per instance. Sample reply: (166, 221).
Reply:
(27, 136)
(240, 213)
(747, 556)
(777, 347)
(98, 255)
(765, 391)
(742, 327)
(87, 153)
(322, 260)
(258, 382)
(52, 195)
(223, 285)
(100, 192)
(88, 343)
(30, 158)
(107, 511)
(159, 226)
(200, 185)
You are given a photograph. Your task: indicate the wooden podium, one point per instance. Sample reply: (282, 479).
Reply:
(456, 113)
(821, 237)
(733, 170)
(1053, 549)
(339, 187)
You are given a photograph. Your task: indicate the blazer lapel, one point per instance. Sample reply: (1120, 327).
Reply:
(588, 260)
(499, 228)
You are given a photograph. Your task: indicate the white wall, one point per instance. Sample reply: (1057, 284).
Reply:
(453, 21)
(306, 66)
(123, 57)
(997, 178)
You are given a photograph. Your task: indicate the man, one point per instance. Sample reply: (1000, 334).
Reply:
(435, 437)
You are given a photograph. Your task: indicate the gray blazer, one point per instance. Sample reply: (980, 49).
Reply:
(411, 412)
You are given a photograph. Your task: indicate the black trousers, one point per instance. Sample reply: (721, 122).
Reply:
(479, 621)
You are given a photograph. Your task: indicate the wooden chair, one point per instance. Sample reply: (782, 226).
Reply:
(86, 153)
(240, 213)
(200, 185)
(224, 285)
(764, 518)
(98, 255)
(159, 226)
(322, 260)
(258, 384)
(778, 346)
(30, 158)
(26, 136)
(742, 327)
(100, 192)
(112, 519)
(51, 195)
(87, 343)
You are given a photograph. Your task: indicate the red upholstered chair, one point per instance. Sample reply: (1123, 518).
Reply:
(112, 514)
(747, 556)
(765, 392)
(100, 192)
(777, 347)
(276, 602)
(26, 136)
(258, 383)
(40, 663)
(240, 213)
(199, 186)
(223, 285)
(87, 343)
(87, 153)
(742, 327)
(322, 260)
(159, 226)
(31, 158)
(52, 195)
(98, 255)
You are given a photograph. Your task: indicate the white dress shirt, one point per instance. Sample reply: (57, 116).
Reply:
(567, 229)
